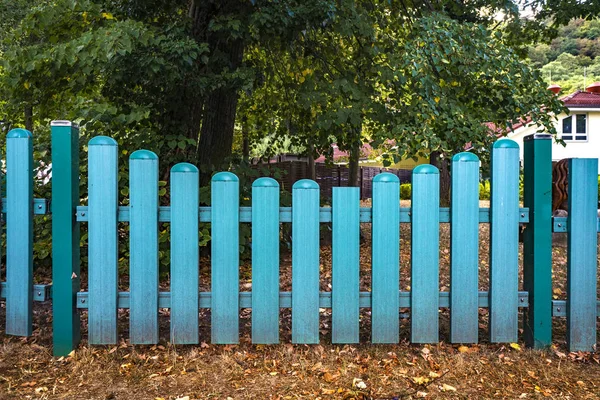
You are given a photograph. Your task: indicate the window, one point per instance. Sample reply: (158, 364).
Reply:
(574, 128)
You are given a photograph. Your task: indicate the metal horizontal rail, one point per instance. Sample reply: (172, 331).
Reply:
(285, 299)
(285, 214)
(40, 292)
(559, 224)
(40, 206)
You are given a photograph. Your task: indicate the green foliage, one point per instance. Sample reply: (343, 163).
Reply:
(405, 191)
(484, 190)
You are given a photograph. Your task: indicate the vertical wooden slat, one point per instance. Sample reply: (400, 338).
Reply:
(184, 254)
(345, 267)
(143, 247)
(102, 240)
(582, 262)
(504, 237)
(265, 261)
(385, 269)
(464, 234)
(225, 258)
(305, 262)
(19, 232)
(424, 297)
(66, 324)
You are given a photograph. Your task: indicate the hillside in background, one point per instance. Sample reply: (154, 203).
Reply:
(572, 59)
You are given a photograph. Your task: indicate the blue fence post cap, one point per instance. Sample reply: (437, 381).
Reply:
(19, 133)
(184, 167)
(265, 182)
(465, 156)
(225, 177)
(505, 144)
(305, 184)
(143, 155)
(386, 177)
(102, 141)
(425, 169)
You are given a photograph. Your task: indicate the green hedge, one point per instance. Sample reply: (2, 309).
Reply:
(405, 191)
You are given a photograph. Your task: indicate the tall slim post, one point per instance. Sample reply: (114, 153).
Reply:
(65, 236)
(537, 240)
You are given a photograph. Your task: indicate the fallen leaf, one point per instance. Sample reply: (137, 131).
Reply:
(463, 349)
(515, 346)
(327, 391)
(420, 380)
(448, 388)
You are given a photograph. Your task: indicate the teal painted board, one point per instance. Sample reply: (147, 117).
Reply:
(265, 261)
(102, 240)
(464, 252)
(184, 254)
(504, 238)
(305, 262)
(66, 282)
(19, 232)
(345, 266)
(225, 258)
(425, 276)
(582, 262)
(385, 268)
(143, 247)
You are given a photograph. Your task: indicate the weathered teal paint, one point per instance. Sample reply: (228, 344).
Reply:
(305, 262)
(19, 232)
(265, 261)
(504, 237)
(345, 266)
(225, 198)
(102, 240)
(425, 277)
(582, 261)
(66, 324)
(537, 240)
(464, 249)
(385, 269)
(184, 254)
(143, 247)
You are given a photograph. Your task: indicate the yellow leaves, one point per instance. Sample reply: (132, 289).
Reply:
(274, 373)
(556, 292)
(27, 85)
(107, 15)
(516, 346)
(448, 388)
(463, 349)
(437, 99)
(420, 380)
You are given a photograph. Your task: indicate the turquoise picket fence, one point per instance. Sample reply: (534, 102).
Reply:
(384, 299)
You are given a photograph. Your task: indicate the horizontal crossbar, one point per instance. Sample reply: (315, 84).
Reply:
(285, 299)
(40, 292)
(559, 224)
(40, 206)
(285, 214)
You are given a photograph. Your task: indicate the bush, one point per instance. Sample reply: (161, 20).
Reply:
(484, 190)
(405, 191)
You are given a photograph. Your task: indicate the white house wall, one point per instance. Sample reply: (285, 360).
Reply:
(589, 149)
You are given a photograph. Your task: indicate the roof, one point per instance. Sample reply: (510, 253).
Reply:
(581, 99)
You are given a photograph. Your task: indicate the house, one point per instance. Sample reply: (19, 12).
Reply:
(579, 129)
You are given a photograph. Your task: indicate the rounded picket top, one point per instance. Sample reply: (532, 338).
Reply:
(306, 184)
(19, 133)
(265, 182)
(184, 168)
(225, 177)
(505, 144)
(465, 156)
(102, 141)
(143, 155)
(386, 177)
(426, 169)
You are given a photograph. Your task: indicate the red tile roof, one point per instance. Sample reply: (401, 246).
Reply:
(581, 99)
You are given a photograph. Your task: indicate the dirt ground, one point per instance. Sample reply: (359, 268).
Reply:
(286, 371)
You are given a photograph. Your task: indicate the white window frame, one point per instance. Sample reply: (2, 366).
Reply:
(574, 135)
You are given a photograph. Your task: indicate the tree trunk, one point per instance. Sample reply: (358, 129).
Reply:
(353, 166)
(29, 118)
(440, 161)
(245, 140)
(312, 171)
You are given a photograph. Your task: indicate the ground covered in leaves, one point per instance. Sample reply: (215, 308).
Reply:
(286, 371)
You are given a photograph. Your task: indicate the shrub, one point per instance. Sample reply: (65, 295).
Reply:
(484, 190)
(405, 191)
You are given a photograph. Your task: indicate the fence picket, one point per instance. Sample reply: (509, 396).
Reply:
(582, 264)
(19, 232)
(504, 238)
(385, 269)
(143, 247)
(464, 236)
(425, 204)
(102, 240)
(225, 258)
(265, 261)
(184, 254)
(305, 262)
(345, 266)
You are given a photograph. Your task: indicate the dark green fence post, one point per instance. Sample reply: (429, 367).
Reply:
(537, 240)
(65, 236)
